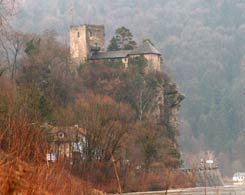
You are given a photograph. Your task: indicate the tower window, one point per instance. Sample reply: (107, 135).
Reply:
(78, 34)
(90, 34)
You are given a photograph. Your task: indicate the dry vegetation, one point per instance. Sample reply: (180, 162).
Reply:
(23, 167)
(23, 146)
(103, 99)
(19, 177)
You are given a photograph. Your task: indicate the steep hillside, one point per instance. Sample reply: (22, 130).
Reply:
(127, 117)
(203, 45)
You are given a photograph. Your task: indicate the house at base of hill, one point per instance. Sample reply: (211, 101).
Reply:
(65, 142)
(87, 43)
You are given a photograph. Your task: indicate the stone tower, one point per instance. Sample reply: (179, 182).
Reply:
(86, 39)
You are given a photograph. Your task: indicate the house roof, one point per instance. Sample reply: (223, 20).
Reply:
(111, 54)
(64, 134)
(145, 48)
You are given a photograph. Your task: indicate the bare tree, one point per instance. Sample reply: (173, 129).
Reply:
(11, 47)
(106, 123)
(6, 10)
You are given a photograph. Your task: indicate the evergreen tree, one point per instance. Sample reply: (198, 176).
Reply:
(113, 46)
(123, 40)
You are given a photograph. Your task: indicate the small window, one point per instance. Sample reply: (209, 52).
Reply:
(78, 34)
(90, 34)
(61, 135)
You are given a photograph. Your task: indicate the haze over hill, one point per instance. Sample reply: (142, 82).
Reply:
(203, 43)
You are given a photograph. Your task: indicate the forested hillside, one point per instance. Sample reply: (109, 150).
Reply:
(128, 116)
(203, 43)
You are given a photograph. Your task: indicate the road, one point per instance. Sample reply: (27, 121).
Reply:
(222, 190)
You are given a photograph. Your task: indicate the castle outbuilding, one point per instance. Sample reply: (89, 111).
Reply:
(87, 43)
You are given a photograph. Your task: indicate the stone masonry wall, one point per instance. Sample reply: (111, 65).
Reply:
(78, 43)
(84, 38)
(96, 36)
(153, 62)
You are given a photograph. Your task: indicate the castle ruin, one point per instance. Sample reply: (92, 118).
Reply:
(87, 43)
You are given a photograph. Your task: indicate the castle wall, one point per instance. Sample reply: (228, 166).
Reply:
(78, 43)
(153, 62)
(88, 39)
(96, 36)
(83, 39)
(125, 62)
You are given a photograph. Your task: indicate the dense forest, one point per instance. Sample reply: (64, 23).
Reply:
(203, 46)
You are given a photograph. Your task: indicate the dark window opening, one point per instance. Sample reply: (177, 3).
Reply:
(78, 34)
(90, 34)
